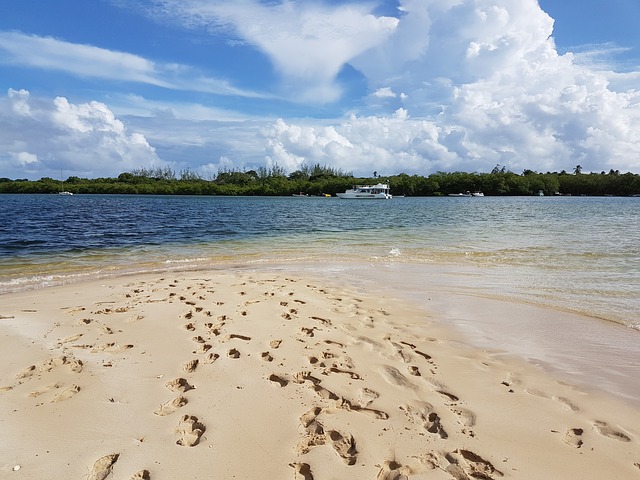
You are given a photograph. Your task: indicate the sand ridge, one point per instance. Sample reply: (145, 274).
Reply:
(261, 375)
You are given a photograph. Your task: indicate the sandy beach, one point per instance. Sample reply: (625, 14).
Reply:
(263, 375)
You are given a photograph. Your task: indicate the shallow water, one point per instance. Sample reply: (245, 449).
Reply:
(579, 254)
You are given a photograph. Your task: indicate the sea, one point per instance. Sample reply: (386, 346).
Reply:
(574, 258)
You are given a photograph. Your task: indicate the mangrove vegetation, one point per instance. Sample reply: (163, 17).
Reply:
(322, 180)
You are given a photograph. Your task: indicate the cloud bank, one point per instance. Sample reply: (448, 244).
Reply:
(482, 85)
(85, 139)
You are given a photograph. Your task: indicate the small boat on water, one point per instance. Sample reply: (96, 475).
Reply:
(62, 190)
(380, 191)
(467, 194)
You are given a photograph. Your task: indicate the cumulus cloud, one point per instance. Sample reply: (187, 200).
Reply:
(42, 136)
(384, 92)
(387, 144)
(486, 86)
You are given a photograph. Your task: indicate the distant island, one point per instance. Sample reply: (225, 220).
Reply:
(323, 181)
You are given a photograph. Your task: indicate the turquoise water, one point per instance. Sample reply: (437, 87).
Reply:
(579, 254)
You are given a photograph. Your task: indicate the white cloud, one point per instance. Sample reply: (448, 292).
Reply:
(482, 83)
(82, 60)
(308, 42)
(504, 93)
(93, 62)
(84, 138)
(25, 158)
(361, 144)
(384, 92)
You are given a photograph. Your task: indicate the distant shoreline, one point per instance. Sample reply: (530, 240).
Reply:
(329, 182)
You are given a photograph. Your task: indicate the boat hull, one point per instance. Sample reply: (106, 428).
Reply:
(380, 191)
(364, 196)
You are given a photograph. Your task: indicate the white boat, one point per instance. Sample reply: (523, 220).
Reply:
(62, 191)
(467, 194)
(379, 191)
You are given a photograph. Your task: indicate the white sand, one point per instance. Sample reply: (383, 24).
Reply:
(269, 376)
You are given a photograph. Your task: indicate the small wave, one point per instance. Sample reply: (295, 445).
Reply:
(395, 252)
(186, 260)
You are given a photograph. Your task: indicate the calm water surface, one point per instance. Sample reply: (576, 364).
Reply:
(579, 254)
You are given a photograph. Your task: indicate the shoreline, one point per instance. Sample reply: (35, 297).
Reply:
(555, 340)
(293, 375)
(597, 354)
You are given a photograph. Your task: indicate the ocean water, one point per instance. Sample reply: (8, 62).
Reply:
(577, 254)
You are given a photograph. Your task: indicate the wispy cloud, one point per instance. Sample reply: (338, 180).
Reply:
(49, 53)
(307, 42)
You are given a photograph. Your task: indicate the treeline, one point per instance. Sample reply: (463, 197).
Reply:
(322, 180)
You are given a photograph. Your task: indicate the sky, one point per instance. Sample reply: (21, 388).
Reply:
(95, 88)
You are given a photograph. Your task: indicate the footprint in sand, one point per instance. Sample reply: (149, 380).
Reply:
(466, 418)
(203, 348)
(353, 375)
(303, 471)
(393, 376)
(102, 467)
(466, 464)
(278, 381)
(111, 347)
(608, 431)
(309, 417)
(73, 338)
(573, 437)
(566, 403)
(325, 393)
(142, 475)
(210, 358)
(367, 396)
(179, 385)
(73, 364)
(344, 445)
(171, 406)
(190, 366)
(48, 388)
(27, 372)
(392, 470)
(233, 353)
(422, 414)
(66, 393)
(189, 431)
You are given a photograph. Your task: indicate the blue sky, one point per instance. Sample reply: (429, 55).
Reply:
(99, 87)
